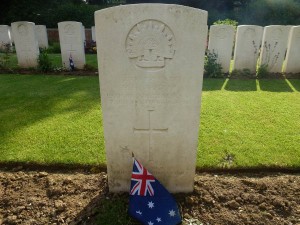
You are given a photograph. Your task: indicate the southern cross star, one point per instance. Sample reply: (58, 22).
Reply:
(151, 205)
(150, 223)
(139, 212)
(172, 213)
(158, 219)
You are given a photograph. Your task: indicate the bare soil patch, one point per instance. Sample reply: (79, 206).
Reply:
(68, 197)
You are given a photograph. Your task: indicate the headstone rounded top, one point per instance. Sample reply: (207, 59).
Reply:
(172, 8)
(254, 26)
(73, 22)
(23, 22)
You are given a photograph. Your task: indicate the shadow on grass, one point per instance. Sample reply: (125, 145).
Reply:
(211, 84)
(27, 99)
(272, 85)
(295, 83)
(241, 85)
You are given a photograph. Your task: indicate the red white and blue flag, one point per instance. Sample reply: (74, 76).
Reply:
(149, 202)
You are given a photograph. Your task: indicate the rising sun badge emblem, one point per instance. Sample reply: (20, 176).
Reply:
(150, 44)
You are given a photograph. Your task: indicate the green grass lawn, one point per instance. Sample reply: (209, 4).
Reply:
(58, 119)
(91, 60)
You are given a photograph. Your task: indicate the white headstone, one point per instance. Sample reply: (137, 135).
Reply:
(25, 43)
(83, 35)
(93, 33)
(274, 46)
(42, 37)
(11, 35)
(4, 36)
(221, 39)
(71, 43)
(247, 44)
(152, 59)
(292, 64)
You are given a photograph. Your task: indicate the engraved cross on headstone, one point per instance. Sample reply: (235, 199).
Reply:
(150, 130)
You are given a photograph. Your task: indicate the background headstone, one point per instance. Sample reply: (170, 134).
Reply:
(25, 43)
(83, 35)
(247, 44)
(11, 35)
(274, 46)
(71, 43)
(42, 37)
(292, 64)
(4, 36)
(221, 39)
(152, 59)
(93, 33)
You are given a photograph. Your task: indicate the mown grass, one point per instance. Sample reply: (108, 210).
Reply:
(50, 119)
(58, 119)
(250, 123)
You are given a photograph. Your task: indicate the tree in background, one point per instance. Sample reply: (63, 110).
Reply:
(50, 12)
(270, 12)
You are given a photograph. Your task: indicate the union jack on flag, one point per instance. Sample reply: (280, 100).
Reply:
(142, 179)
(149, 201)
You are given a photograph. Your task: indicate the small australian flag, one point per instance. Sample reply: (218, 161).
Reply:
(149, 202)
(72, 66)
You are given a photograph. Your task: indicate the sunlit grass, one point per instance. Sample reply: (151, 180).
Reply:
(58, 119)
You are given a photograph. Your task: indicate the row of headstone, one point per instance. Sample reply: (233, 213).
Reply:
(28, 38)
(253, 44)
(271, 46)
(6, 35)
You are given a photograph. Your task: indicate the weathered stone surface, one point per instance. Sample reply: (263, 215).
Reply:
(5, 36)
(274, 46)
(42, 37)
(247, 43)
(93, 33)
(25, 43)
(292, 64)
(152, 59)
(71, 43)
(221, 39)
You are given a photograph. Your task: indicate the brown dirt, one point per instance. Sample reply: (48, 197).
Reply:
(33, 197)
